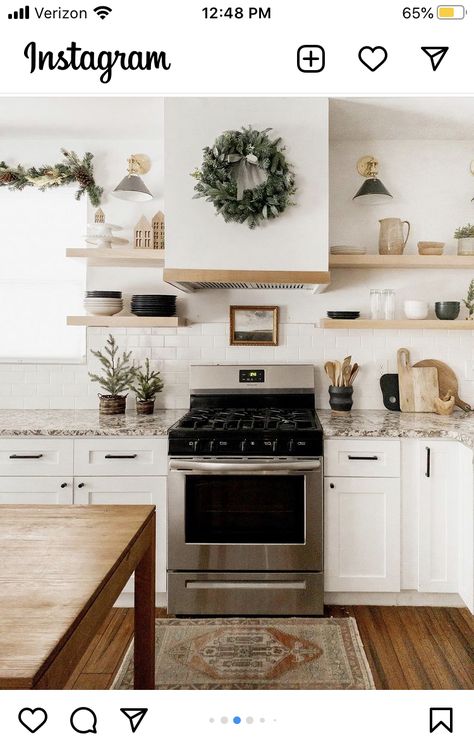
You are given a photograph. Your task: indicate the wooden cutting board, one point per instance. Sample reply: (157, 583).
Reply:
(418, 387)
(447, 381)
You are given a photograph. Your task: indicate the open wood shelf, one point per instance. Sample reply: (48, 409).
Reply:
(400, 324)
(124, 321)
(401, 261)
(120, 257)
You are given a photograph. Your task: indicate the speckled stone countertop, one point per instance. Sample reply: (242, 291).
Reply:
(359, 424)
(85, 423)
(385, 424)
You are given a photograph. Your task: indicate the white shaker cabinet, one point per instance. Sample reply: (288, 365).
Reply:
(466, 526)
(362, 515)
(439, 486)
(34, 491)
(130, 491)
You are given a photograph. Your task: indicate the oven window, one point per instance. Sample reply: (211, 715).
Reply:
(245, 509)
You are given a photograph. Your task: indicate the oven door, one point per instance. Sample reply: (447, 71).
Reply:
(260, 514)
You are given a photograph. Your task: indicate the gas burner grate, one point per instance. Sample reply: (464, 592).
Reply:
(235, 419)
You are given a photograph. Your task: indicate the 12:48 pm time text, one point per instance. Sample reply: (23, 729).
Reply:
(252, 13)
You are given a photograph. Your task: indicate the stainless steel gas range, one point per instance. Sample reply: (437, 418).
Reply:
(245, 494)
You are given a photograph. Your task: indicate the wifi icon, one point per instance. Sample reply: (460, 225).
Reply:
(103, 11)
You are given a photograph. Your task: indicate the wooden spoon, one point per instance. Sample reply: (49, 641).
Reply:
(330, 371)
(354, 373)
(337, 374)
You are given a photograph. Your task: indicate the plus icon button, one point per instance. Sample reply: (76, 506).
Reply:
(311, 58)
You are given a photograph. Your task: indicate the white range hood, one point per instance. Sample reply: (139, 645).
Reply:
(203, 251)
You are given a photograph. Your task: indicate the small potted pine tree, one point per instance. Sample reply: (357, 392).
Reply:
(146, 385)
(118, 375)
(469, 301)
(465, 237)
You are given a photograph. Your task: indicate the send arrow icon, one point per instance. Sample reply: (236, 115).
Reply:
(436, 54)
(135, 716)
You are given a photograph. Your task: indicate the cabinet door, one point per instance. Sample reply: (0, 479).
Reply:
(466, 526)
(438, 545)
(362, 534)
(34, 491)
(130, 491)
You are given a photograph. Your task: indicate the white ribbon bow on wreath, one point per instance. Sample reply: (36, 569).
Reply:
(247, 172)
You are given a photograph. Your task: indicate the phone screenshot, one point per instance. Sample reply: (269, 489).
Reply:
(236, 371)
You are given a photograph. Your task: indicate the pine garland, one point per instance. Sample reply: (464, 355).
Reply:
(217, 184)
(71, 170)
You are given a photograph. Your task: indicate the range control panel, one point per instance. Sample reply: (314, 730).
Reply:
(251, 375)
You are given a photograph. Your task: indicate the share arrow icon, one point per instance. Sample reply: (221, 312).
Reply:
(436, 54)
(135, 716)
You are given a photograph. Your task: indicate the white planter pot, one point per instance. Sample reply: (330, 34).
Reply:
(466, 246)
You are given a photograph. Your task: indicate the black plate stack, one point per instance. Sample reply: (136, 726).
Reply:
(343, 314)
(154, 305)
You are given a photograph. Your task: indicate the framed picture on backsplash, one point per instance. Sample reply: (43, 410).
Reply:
(254, 325)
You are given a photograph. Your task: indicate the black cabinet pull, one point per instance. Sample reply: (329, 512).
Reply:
(81, 485)
(331, 485)
(121, 456)
(371, 459)
(428, 462)
(64, 484)
(25, 456)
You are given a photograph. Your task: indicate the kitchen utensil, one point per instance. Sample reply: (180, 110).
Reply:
(445, 405)
(447, 310)
(390, 391)
(388, 304)
(346, 370)
(418, 387)
(430, 248)
(338, 374)
(376, 304)
(340, 399)
(347, 250)
(415, 309)
(391, 238)
(447, 381)
(329, 369)
(354, 373)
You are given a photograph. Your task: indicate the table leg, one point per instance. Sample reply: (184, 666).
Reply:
(144, 647)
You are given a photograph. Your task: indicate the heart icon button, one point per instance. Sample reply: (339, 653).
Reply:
(373, 57)
(33, 719)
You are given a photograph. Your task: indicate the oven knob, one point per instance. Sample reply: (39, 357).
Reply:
(191, 446)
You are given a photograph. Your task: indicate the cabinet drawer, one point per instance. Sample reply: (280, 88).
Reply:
(361, 458)
(120, 456)
(34, 491)
(36, 456)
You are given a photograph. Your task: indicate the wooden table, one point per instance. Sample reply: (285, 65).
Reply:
(61, 570)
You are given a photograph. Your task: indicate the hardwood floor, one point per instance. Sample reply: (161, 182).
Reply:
(407, 647)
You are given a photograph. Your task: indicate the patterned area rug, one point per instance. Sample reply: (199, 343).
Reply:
(255, 654)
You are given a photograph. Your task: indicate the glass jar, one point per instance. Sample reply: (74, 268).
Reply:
(388, 304)
(376, 304)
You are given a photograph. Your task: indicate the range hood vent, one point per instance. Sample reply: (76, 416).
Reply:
(190, 280)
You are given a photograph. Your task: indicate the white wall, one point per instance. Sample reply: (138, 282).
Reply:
(435, 196)
(297, 240)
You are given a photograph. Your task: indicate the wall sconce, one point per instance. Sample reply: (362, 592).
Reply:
(132, 187)
(372, 190)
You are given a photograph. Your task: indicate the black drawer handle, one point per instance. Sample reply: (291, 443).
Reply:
(371, 459)
(428, 462)
(25, 456)
(121, 456)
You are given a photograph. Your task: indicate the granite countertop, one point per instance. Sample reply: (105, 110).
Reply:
(85, 423)
(359, 424)
(386, 424)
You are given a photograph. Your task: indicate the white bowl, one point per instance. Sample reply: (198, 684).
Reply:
(415, 309)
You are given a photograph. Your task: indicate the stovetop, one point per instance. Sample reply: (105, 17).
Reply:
(268, 431)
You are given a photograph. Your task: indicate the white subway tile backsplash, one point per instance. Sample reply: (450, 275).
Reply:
(172, 350)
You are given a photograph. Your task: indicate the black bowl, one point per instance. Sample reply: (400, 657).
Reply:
(447, 310)
(103, 295)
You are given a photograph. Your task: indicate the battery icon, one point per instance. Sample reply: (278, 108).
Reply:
(451, 12)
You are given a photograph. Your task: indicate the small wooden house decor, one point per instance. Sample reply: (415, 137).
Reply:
(143, 235)
(158, 224)
(99, 217)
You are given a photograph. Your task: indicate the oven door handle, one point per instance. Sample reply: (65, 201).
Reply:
(260, 468)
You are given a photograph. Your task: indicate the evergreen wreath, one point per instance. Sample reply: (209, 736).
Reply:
(246, 176)
(71, 170)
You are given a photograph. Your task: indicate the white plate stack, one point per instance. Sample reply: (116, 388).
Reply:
(103, 303)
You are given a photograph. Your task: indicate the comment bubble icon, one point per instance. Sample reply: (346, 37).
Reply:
(84, 721)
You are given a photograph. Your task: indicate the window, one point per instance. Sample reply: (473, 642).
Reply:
(39, 286)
